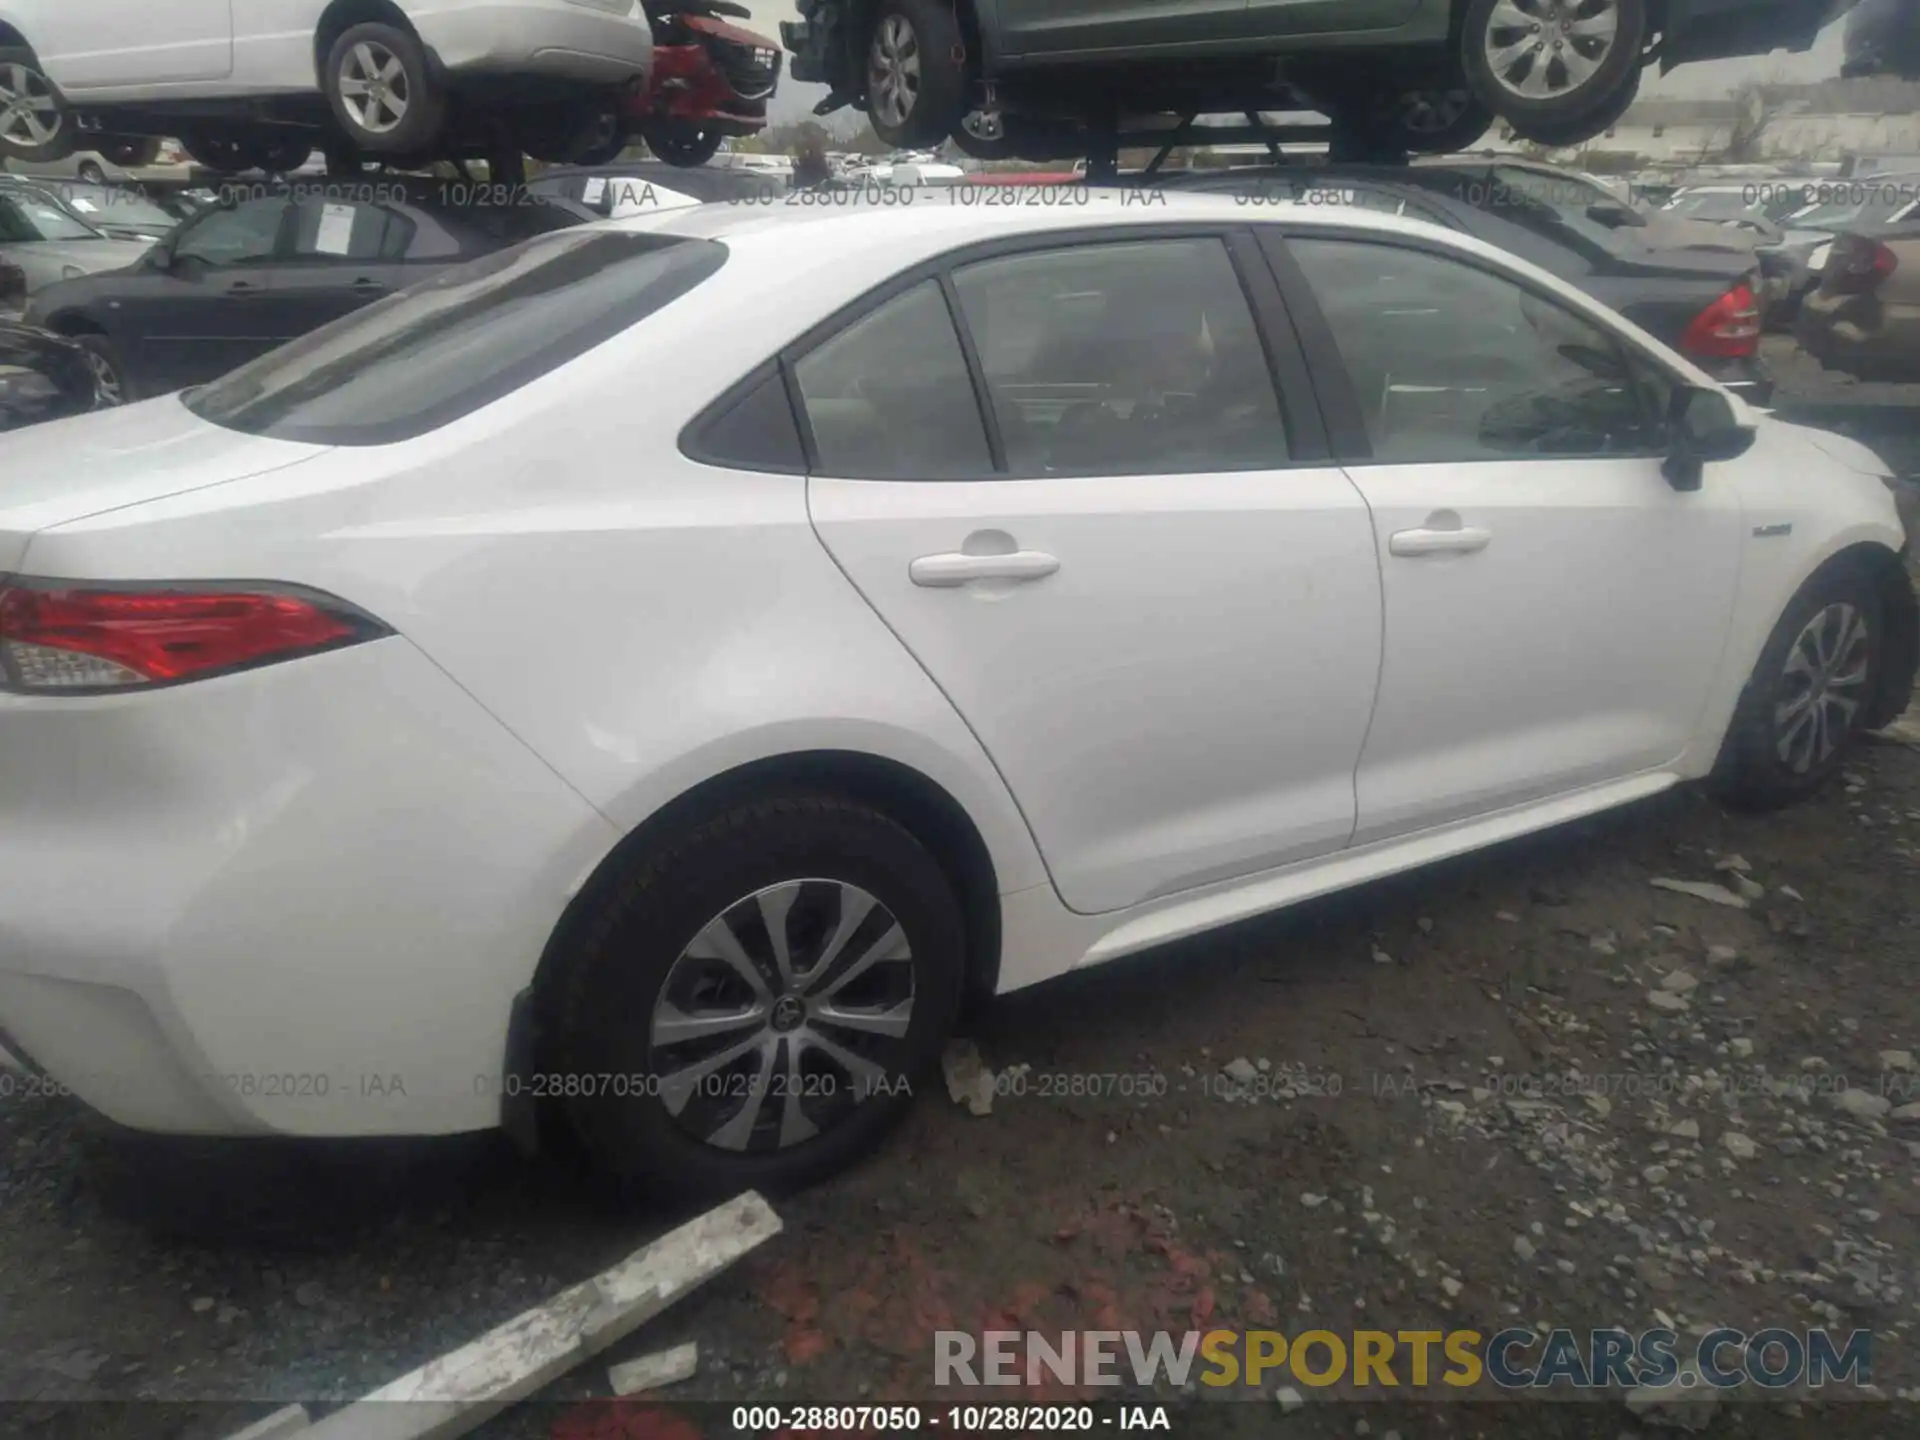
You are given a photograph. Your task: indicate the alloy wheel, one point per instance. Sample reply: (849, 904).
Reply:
(893, 71)
(786, 1010)
(107, 389)
(29, 109)
(1824, 684)
(374, 87)
(1547, 49)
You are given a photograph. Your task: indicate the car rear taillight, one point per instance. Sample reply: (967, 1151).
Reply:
(67, 637)
(1728, 329)
(1857, 265)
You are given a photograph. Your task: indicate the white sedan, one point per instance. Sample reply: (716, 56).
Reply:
(640, 681)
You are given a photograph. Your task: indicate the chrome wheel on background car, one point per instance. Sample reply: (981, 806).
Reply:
(786, 1010)
(1556, 61)
(380, 90)
(1823, 686)
(107, 389)
(33, 121)
(1546, 49)
(374, 87)
(916, 72)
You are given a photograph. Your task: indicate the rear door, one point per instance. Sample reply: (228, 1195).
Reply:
(108, 44)
(1554, 609)
(1134, 572)
(341, 254)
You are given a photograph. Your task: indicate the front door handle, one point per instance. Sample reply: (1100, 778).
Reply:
(1464, 541)
(241, 287)
(365, 286)
(957, 568)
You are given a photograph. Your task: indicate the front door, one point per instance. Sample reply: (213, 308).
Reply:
(1555, 609)
(212, 307)
(1155, 607)
(89, 45)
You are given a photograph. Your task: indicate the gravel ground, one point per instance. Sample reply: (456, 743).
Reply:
(1528, 1087)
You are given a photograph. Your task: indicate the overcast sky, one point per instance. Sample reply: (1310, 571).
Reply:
(1692, 82)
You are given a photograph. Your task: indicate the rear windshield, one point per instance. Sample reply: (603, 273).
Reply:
(444, 348)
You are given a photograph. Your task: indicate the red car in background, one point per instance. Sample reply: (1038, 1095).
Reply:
(711, 80)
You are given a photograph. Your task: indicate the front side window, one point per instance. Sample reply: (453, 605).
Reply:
(889, 397)
(1453, 362)
(460, 340)
(244, 234)
(1123, 358)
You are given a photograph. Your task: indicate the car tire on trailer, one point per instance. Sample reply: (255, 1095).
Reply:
(111, 386)
(915, 72)
(1814, 685)
(680, 145)
(1545, 132)
(225, 152)
(696, 1054)
(281, 154)
(36, 127)
(382, 93)
(130, 152)
(1552, 62)
(90, 171)
(1416, 120)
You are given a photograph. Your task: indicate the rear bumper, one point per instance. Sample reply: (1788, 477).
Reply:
(297, 900)
(689, 85)
(560, 39)
(1724, 29)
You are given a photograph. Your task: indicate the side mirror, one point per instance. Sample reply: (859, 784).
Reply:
(1702, 430)
(160, 258)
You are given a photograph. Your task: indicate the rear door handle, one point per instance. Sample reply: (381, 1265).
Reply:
(241, 287)
(1465, 541)
(956, 568)
(369, 286)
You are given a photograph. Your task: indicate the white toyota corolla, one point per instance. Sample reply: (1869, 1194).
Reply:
(641, 681)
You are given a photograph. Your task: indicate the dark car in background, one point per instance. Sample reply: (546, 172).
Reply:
(1701, 301)
(42, 376)
(1864, 319)
(1024, 77)
(1883, 38)
(240, 279)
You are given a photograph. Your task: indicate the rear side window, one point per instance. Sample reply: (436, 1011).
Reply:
(343, 230)
(889, 397)
(473, 333)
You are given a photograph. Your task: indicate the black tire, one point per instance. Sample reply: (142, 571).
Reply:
(20, 72)
(681, 145)
(226, 152)
(130, 152)
(90, 171)
(112, 386)
(1414, 120)
(343, 161)
(930, 78)
(280, 154)
(1024, 139)
(421, 100)
(1545, 132)
(1751, 772)
(1619, 66)
(604, 988)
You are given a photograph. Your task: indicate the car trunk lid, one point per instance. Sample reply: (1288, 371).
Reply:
(67, 470)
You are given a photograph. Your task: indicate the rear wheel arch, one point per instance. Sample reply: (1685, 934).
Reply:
(921, 806)
(72, 322)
